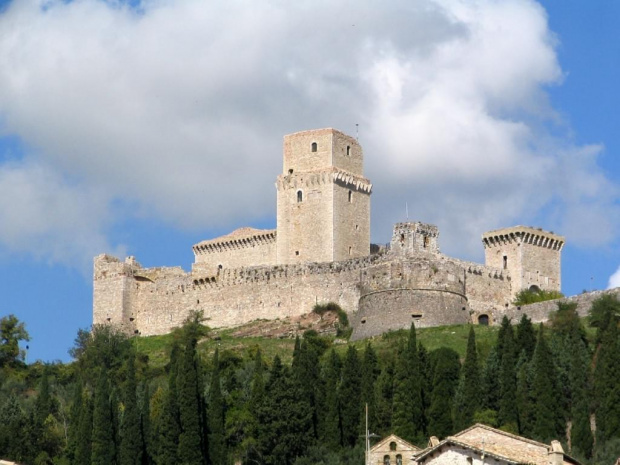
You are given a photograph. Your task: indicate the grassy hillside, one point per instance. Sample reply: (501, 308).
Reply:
(454, 337)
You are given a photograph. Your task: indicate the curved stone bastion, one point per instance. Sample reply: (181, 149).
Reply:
(424, 290)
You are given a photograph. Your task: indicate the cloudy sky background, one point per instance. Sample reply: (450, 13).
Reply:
(140, 129)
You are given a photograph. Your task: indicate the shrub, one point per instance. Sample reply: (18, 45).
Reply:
(527, 296)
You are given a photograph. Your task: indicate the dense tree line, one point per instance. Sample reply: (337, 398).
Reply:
(109, 407)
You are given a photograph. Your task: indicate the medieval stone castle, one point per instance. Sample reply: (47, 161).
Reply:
(320, 252)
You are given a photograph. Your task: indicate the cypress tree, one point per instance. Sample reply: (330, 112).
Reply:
(146, 431)
(467, 402)
(607, 386)
(116, 423)
(306, 370)
(74, 419)
(258, 382)
(255, 402)
(490, 381)
(547, 417)
(83, 450)
(370, 373)
(446, 368)
(284, 418)
(296, 351)
(169, 425)
(103, 429)
(507, 415)
(190, 443)
(426, 387)
(526, 337)
(582, 440)
(408, 409)
(524, 395)
(130, 432)
(43, 403)
(217, 450)
(349, 394)
(331, 428)
(384, 396)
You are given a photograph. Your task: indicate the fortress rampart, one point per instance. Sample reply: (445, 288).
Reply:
(319, 253)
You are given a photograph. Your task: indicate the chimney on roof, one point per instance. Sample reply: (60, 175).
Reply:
(556, 453)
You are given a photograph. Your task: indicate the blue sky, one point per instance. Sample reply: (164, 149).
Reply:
(122, 126)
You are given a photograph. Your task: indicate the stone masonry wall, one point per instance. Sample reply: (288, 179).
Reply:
(305, 224)
(351, 221)
(539, 312)
(161, 299)
(257, 247)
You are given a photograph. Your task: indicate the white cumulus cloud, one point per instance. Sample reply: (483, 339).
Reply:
(614, 280)
(178, 109)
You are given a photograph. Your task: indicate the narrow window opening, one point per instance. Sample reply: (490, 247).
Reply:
(348, 150)
(297, 252)
(392, 445)
(386, 460)
(470, 460)
(314, 146)
(416, 316)
(350, 196)
(357, 226)
(300, 196)
(290, 171)
(399, 459)
(425, 241)
(505, 262)
(350, 250)
(402, 238)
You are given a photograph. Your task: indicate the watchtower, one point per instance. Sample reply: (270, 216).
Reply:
(323, 199)
(531, 256)
(411, 238)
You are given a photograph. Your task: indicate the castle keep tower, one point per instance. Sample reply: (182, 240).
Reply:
(530, 255)
(323, 199)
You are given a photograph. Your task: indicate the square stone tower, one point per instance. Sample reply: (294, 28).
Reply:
(323, 199)
(531, 256)
(411, 238)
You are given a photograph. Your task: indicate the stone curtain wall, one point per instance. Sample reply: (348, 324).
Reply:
(160, 299)
(539, 312)
(433, 288)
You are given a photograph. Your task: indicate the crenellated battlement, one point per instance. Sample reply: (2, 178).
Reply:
(523, 234)
(242, 238)
(306, 179)
(242, 276)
